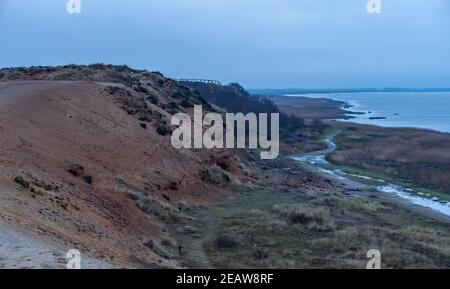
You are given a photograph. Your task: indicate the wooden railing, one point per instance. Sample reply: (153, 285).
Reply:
(206, 81)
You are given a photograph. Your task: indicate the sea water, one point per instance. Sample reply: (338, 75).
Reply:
(429, 110)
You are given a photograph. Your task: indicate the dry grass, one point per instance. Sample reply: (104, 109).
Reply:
(416, 156)
(351, 204)
(317, 219)
(326, 232)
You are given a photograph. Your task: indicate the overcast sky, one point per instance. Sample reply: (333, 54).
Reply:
(260, 43)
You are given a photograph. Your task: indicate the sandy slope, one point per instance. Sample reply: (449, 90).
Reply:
(45, 127)
(22, 250)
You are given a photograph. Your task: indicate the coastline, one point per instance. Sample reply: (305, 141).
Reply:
(389, 189)
(359, 108)
(416, 158)
(311, 108)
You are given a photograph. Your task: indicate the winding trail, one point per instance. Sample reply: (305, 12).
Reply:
(193, 254)
(317, 160)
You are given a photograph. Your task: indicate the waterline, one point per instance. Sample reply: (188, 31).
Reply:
(318, 161)
(425, 110)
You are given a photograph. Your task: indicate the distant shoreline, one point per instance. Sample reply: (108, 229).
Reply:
(322, 107)
(411, 156)
(295, 91)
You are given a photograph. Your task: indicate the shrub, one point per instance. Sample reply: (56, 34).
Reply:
(158, 73)
(123, 68)
(176, 95)
(146, 116)
(225, 242)
(166, 243)
(186, 103)
(260, 254)
(215, 175)
(351, 204)
(173, 111)
(153, 99)
(317, 123)
(88, 179)
(141, 89)
(149, 244)
(98, 66)
(172, 105)
(317, 219)
(163, 130)
(22, 182)
(76, 170)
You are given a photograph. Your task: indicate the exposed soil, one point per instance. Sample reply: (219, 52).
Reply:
(78, 169)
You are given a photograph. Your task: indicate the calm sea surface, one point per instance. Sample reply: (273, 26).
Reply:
(429, 110)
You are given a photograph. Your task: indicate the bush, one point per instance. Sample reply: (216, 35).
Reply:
(239, 88)
(153, 99)
(317, 219)
(163, 130)
(260, 254)
(88, 179)
(235, 99)
(352, 204)
(99, 66)
(317, 123)
(22, 182)
(225, 242)
(141, 89)
(76, 170)
(166, 243)
(215, 175)
(161, 82)
(172, 105)
(149, 244)
(158, 73)
(173, 111)
(186, 103)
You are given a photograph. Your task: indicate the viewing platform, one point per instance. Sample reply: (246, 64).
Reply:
(205, 81)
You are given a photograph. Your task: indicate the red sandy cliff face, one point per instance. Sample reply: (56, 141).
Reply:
(89, 164)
